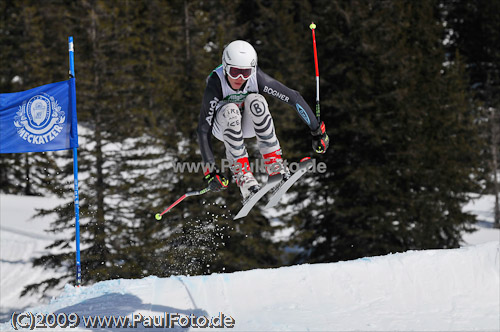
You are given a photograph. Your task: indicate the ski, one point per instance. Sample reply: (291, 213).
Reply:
(304, 166)
(272, 181)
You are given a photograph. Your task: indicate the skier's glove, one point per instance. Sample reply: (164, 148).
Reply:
(320, 140)
(216, 181)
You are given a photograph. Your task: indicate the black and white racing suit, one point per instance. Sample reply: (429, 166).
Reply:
(232, 115)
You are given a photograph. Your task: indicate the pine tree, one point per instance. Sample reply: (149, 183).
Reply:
(120, 105)
(396, 173)
(473, 33)
(32, 61)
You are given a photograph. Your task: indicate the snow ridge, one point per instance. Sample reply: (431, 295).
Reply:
(445, 290)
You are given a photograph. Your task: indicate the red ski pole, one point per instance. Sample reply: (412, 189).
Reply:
(191, 193)
(312, 26)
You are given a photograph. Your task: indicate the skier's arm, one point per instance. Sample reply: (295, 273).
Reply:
(211, 97)
(270, 86)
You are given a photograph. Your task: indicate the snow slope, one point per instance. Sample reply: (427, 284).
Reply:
(446, 290)
(434, 290)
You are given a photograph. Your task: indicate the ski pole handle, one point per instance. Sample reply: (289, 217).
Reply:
(312, 26)
(190, 193)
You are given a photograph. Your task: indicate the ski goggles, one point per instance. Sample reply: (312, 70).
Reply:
(235, 72)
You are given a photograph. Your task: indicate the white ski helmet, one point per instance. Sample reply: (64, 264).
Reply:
(239, 54)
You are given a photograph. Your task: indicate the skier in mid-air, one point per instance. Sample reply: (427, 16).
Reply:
(234, 108)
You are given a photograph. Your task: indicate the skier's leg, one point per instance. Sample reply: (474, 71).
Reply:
(263, 125)
(228, 122)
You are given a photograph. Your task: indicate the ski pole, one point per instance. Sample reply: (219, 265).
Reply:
(312, 26)
(190, 193)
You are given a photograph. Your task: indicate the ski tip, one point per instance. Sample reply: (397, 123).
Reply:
(305, 158)
(241, 214)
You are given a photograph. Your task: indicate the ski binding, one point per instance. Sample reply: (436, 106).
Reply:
(272, 181)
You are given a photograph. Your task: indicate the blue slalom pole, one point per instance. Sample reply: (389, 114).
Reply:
(75, 162)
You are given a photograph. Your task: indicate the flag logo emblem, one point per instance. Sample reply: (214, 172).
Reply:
(39, 119)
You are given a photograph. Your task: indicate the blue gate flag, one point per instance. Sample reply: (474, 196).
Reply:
(37, 120)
